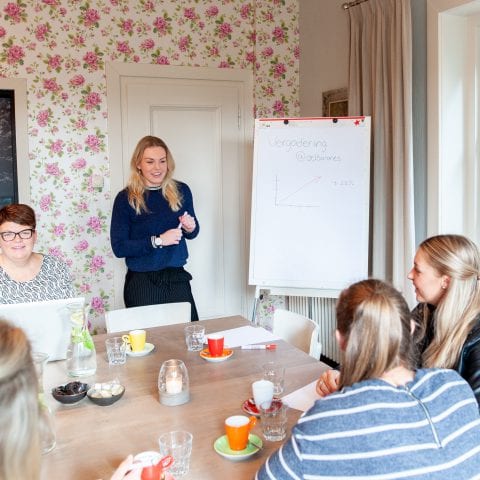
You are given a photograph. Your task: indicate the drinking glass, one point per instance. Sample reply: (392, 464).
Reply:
(178, 444)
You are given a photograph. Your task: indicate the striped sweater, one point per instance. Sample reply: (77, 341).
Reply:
(429, 429)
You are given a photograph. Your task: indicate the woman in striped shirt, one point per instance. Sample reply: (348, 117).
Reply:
(387, 420)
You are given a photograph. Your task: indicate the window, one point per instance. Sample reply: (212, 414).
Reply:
(8, 150)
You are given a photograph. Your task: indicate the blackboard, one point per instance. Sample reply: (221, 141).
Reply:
(310, 203)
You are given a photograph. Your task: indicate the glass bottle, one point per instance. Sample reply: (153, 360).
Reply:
(81, 354)
(46, 423)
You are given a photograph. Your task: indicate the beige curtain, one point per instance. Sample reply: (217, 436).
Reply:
(380, 85)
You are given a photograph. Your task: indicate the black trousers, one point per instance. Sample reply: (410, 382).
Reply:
(170, 285)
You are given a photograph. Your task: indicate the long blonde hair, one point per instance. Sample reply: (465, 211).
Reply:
(19, 438)
(374, 320)
(136, 186)
(457, 257)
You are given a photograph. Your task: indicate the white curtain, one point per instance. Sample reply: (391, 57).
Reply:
(380, 85)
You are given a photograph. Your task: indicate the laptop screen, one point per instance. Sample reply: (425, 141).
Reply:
(46, 324)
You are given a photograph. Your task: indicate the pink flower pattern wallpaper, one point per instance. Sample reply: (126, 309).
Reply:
(61, 48)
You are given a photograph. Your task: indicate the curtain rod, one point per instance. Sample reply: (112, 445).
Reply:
(346, 6)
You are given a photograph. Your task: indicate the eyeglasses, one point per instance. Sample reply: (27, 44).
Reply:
(23, 234)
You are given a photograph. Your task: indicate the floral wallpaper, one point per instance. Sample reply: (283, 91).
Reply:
(61, 48)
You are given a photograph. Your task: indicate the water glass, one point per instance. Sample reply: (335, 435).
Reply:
(194, 336)
(177, 444)
(274, 420)
(276, 374)
(116, 351)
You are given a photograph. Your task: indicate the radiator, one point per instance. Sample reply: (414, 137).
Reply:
(322, 311)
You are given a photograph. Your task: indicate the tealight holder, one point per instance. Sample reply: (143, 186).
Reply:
(173, 383)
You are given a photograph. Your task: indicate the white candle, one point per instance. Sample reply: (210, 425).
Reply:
(173, 384)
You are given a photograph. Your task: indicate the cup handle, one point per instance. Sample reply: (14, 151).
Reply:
(165, 462)
(126, 339)
(252, 422)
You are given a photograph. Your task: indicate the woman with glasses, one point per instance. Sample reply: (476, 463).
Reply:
(25, 275)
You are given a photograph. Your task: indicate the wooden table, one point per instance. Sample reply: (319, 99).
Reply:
(92, 440)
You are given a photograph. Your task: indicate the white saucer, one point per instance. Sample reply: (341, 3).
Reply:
(147, 349)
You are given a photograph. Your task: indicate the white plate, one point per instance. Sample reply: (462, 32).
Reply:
(148, 348)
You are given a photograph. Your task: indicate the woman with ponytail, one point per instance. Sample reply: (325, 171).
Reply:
(387, 419)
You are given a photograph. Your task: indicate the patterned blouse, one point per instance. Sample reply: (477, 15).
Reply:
(53, 282)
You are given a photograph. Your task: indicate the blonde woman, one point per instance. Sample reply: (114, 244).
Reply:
(445, 275)
(19, 434)
(151, 220)
(388, 420)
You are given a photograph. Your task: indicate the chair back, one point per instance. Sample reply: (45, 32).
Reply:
(148, 316)
(300, 331)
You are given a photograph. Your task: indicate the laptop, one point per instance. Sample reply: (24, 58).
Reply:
(46, 324)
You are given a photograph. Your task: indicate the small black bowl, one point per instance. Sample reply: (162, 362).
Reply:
(105, 401)
(70, 393)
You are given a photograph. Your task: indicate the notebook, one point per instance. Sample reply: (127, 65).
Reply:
(46, 324)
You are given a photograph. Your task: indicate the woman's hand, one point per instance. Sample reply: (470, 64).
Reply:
(171, 237)
(188, 222)
(125, 472)
(328, 382)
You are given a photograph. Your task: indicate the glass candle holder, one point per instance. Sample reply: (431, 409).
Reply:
(173, 383)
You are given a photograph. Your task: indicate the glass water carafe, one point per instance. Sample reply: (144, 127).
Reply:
(45, 417)
(81, 354)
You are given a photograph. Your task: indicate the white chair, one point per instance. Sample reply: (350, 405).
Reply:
(298, 330)
(147, 316)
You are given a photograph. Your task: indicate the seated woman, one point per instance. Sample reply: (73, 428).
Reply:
(20, 444)
(27, 276)
(387, 419)
(445, 275)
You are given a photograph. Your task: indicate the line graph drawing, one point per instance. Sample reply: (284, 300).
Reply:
(307, 194)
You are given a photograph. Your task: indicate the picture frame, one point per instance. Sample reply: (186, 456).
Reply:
(335, 103)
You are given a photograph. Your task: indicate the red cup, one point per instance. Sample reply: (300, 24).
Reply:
(153, 464)
(215, 345)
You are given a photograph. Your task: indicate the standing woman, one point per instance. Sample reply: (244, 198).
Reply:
(151, 220)
(445, 275)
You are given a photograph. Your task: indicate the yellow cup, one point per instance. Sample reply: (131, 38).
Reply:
(136, 339)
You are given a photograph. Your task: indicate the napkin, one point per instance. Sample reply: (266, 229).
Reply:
(236, 337)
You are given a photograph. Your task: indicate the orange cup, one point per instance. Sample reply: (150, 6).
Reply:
(215, 344)
(238, 428)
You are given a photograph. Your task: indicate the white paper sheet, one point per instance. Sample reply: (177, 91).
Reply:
(236, 337)
(303, 398)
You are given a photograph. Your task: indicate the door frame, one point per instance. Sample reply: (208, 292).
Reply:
(114, 73)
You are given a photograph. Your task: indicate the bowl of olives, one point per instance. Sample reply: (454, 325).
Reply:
(70, 393)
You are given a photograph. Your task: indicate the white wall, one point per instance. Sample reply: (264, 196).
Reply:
(323, 52)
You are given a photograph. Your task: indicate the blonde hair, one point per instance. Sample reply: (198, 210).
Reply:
(374, 320)
(20, 444)
(136, 186)
(456, 313)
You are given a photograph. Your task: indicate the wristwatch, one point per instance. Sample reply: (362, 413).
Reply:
(158, 241)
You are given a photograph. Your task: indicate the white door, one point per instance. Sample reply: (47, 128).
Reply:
(200, 120)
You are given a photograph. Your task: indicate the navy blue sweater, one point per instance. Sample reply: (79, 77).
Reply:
(131, 234)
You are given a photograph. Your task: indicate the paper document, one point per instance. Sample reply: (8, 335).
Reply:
(303, 398)
(236, 337)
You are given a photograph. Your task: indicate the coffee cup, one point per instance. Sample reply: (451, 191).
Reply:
(262, 392)
(237, 428)
(136, 339)
(215, 344)
(152, 464)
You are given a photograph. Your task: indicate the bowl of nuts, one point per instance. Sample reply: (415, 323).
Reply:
(70, 393)
(104, 394)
